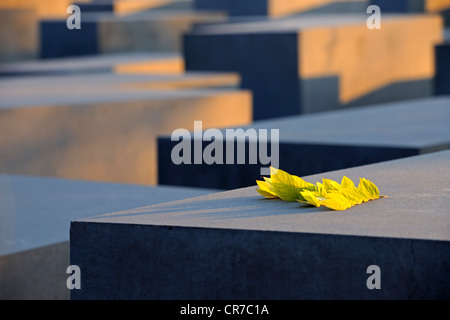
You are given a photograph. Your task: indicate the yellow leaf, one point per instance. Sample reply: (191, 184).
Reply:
(310, 197)
(329, 193)
(347, 182)
(330, 185)
(287, 186)
(265, 190)
(336, 201)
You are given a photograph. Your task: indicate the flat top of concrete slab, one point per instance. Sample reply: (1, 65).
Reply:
(45, 87)
(103, 95)
(84, 64)
(421, 123)
(49, 82)
(152, 3)
(417, 207)
(296, 23)
(36, 211)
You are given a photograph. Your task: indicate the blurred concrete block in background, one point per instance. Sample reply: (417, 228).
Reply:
(131, 6)
(442, 77)
(84, 129)
(441, 7)
(320, 62)
(279, 8)
(103, 32)
(131, 62)
(49, 86)
(19, 35)
(322, 142)
(35, 215)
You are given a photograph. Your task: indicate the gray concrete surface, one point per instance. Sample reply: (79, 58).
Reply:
(101, 84)
(130, 6)
(439, 7)
(102, 132)
(239, 245)
(35, 215)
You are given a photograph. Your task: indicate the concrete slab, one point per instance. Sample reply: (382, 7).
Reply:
(18, 35)
(442, 62)
(103, 32)
(315, 143)
(131, 6)
(238, 245)
(278, 8)
(106, 134)
(320, 62)
(103, 83)
(131, 62)
(34, 233)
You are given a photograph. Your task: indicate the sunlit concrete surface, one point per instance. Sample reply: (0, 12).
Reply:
(132, 6)
(441, 7)
(321, 62)
(35, 215)
(128, 62)
(106, 133)
(19, 90)
(106, 32)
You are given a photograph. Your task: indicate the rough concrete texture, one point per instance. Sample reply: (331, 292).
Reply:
(35, 215)
(239, 245)
(316, 62)
(320, 142)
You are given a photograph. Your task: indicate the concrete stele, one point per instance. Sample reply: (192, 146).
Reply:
(239, 245)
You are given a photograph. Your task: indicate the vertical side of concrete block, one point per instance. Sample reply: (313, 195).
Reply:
(59, 41)
(18, 34)
(235, 7)
(345, 52)
(400, 5)
(319, 94)
(267, 64)
(442, 76)
(126, 261)
(35, 274)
